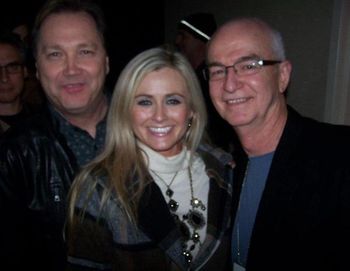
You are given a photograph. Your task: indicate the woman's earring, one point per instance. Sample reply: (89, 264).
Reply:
(189, 123)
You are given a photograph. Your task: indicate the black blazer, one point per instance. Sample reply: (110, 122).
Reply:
(303, 220)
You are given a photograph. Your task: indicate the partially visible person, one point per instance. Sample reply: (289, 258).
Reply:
(22, 30)
(33, 93)
(16, 19)
(12, 79)
(193, 33)
(292, 176)
(39, 159)
(153, 200)
(20, 24)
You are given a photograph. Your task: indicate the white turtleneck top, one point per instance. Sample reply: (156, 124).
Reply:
(166, 168)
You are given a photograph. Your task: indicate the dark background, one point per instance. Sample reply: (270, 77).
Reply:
(131, 27)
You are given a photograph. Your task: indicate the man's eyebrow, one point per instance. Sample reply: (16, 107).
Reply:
(215, 63)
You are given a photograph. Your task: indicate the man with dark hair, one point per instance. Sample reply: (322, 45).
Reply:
(39, 159)
(18, 19)
(12, 78)
(193, 33)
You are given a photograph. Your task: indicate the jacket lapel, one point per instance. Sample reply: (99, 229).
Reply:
(279, 189)
(157, 223)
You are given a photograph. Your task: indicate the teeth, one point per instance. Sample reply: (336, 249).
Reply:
(160, 130)
(72, 85)
(236, 101)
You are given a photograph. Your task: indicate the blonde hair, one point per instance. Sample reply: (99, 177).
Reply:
(121, 161)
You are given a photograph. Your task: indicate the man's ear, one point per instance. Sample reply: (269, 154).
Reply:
(285, 69)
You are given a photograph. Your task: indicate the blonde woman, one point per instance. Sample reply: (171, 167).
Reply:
(154, 199)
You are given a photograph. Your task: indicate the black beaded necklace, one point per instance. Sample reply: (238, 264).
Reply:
(190, 222)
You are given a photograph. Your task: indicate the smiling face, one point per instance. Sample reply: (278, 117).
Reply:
(71, 62)
(161, 111)
(247, 100)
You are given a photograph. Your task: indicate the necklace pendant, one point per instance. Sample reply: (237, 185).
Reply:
(195, 237)
(188, 256)
(196, 219)
(169, 192)
(173, 205)
(197, 203)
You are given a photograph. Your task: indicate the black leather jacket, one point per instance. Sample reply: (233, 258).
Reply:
(36, 171)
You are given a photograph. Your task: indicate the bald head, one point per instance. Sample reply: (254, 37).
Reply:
(253, 29)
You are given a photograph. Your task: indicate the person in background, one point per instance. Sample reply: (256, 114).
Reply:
(22, 30)
(152, 200)
(12, 79)
(39, 159)
(33, 93)
(17, 19)
(292, 176)
(193, 33)
(18, 22)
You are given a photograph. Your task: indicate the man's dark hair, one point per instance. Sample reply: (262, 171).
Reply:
(14, 40)
(67, 6)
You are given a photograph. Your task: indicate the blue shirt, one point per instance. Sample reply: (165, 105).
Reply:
(252, 188)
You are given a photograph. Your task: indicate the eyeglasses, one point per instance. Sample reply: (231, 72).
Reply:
(241, 68)
(12, 68)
